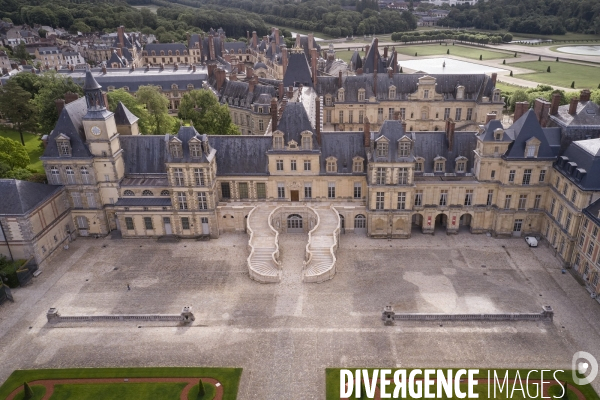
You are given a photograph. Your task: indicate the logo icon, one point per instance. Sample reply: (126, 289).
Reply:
(583, 363)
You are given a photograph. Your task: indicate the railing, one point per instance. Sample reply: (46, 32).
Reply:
(186, 316)
(275, 255)
(389, 316)
(308, 253)
(250, 240)
(336, 237)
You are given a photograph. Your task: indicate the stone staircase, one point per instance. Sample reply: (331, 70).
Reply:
(263, 262)
(322, 245)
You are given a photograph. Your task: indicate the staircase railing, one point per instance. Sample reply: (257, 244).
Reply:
(308, 253)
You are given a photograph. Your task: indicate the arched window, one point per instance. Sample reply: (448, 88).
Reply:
(128, 193)
(147, 193)
(360, 222)
(165, 193)
(361, 94)
(70, 175)
(341, 95)
(294, 221)
(392, 92)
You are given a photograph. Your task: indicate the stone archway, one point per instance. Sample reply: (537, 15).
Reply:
(417, 222)
(464, 223)
(441, 223)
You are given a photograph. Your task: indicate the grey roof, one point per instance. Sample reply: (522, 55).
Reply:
(393, 132)
(298, 71)
(144, 154)
(241, 155)
(185, 134)
(294, 120)
(369, 65)
(592, 212)
(238, 90)
(70, 124)
(580, 163)
(157, 47)
(430, 145)
(260, 65)
(123, 116)
(143, 201)
(20, 197)
(488, 134)
(522, 130)
(344, 146)
(90, 82)
(587, 114)
(356, 60)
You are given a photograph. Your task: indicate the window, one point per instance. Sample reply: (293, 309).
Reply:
(574, 196)
(176, 151)
(511, 175)
(560, 214)
(507, 200)
(328, 116)
(225, 190)
(557, 183)
(185, 223)
(199, 176)
(530, 151)
(380, 114)
(526, 176)
(522, 202)
(443, 197)
(403, 113)
(350, 117)
(379, 200)
(293, 165)
(85, 175)
(243, 190)
(537, 201)
(460, 166)
(490, 198)
(552, 205)
(568, 221)
(281, 191)
(402, 176)
(261, 190)
(401, 200)
(261, 125)
(76, 199)
(165, 193)
(178, 175)
(308, 190)
(469, 197)
(426, 93)
(195, 150)
(328, 101)
(128, 193)
(64, 148)
(404, 149)
(54, 176)
(129, 223)
(382, 149)
(147, 193)
(581, 240)
(148, 223)
(585, 224)
(361, 116)
(341, 117)
(279, 164)
(418, 198)
(307, 165)
(70, 175)
(182, 200)
(439, 166)
(360, 222)
(340, 95)
(380, 176)
(518, 225)
(357, 165)
(392, 92)
(331, 190)
(357, 190)
(595, 232)
(277, 142)
(82, 222)
(590, 249)
(331, 165)
(202, 202)
(458, 114)
(493, 174)
(91, 200)
(306, 142)
(419, 166)
(469, 114)
(565, 189)
(446, 113)
(361, 94)
(391, 113)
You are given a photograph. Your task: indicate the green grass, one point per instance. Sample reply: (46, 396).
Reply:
(562, 74)
(344, 55)
(457, 50)
(507, 88)
(138, 391)
(332, 382)
(32, 145)
(38, 392)
(229, 377)
(209, 392)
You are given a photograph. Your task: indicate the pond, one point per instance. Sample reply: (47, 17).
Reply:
(317, 39)
(581, 50)
(442, 65)
(531, 41)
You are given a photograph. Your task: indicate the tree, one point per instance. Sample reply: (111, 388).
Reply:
(21, 52)
(157, 106)
(52, 86)
(133, 105)
(13, 154)
(518, 96)
(205, 112)
(507, 38)
(16, 105)
(27, 392)
(201, 390)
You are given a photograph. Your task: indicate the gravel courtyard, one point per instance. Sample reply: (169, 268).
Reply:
(285, 335)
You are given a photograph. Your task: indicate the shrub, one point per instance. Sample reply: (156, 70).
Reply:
(511, 74)
(448, 51)
(515, 54)
(540, 58)
(27, 392)
(415, 53)
(548, 70)
(573, 85)
(403, 72)
(556, 59)
(8, 272)
(201, 390)
(480, 57)
(503, 62)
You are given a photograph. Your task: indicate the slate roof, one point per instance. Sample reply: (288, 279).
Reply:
(429, 145)
(344, 146)
(232, 90)
(488, 134)
(157, 47)
(298, 71)
(587, 115)
(356, 60)
(143, 201)
(144, 154)
(393, 132)
(294, 120)
(123, 116)
(70, 123)
(185, 134)
(584, 157)
(20, 197)
(241, 155)
(522, 130)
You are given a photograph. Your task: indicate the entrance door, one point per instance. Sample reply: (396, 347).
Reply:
(294, 224)
(295, 195)
(167, 222)
(205, 229)
(517, 228)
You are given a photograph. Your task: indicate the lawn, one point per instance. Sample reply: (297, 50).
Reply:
(332, 382)
(344, 55)
(32, 144)
(460, 51)
(229, 378)
(507, 88)
(209, 392)
(562, 74)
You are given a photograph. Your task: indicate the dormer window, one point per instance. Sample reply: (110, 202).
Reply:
(404, 147)
(190, 86)
(461, 164)
(496, 97)
(64, 146)
(110, 88)
(174, 86)
(361, 94)
(176, 150)
(439, 164)
(307, 141)
(382, 148)
(392, 92)
(277, 140)
(293, 145)
(358, 164)
(195, 149)
(419, 162)
(128, 193)
(460, 93)
(147, 193)
(341, 95)
(498, 134)
(328, 101)
(331, 164)
(532, 147)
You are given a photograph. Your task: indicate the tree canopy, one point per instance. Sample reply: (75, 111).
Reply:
(133, 105)
(13, 154)
(157, 106)
(16, 105)
(202, 108)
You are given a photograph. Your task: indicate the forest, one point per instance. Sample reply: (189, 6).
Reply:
(545, 17)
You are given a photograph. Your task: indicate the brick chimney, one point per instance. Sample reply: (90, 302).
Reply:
(273, 48)
(395, 62)
(251, 84)
(277, 40)
(290, 92)
(573, 106)
(375, 83)
(494, 77)
(311, 39)
(489, 117)
(211, 69)
(385, 52)
(280, 91)
(103, 69)
(359, 71)
(555, 104)
(273, 114)
(367, 132)
(585, 95)
(121, 35)
(119, 52)
(70, 97)
(318, 119)
(249, 72)
(313, 65)
(450, 125)
(541, 108)
(339, 79)
(60, 104)
(404, 125)
(284, 58)
(520, 109)
(220, 77)
(233, 76)
(211, 47)
(254, 40)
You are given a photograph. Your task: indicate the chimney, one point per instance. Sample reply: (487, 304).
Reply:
(367, 48)
(254, 40)
(573, 106)
(450, 125)
(290, 92)
(103, 69)
(277, 37)
(211, 47)
(233, 76)
(273, 48)
(220, 76)
(60, 104)
(541, 108)
(310, 41)
(390, 72)
(585, 95)
(396, 115)
(318, 119)
(284, 58)
(280, 91)
(247, 37)
(249, 72)
(494, 77)
(375, 54)
(520, 109)
(297, 40)
(395, 62)
(273, 114)
(555, 103)
(313, 65)
(359, 71)
(367, 132)
(222, 43)
(489, 117)
(251, 85)
(211, 69)
(70, 97)
(193, 68)
(339, 79)
(375, 82)
(385, 52)
(119, 52)
(404, 125)
(121, 35)
(105, 97)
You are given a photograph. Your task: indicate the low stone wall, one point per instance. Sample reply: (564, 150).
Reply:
(389, 316)
(186, 317)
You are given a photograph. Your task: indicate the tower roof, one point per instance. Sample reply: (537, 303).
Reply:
(90, 82)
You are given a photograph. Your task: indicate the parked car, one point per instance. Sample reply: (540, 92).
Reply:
(531, 241)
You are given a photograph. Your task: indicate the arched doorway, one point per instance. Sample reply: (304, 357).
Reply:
(360, 224)
(294, 224)
(464, 223)
(441, 222)
(417, 222)
(342, 224)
